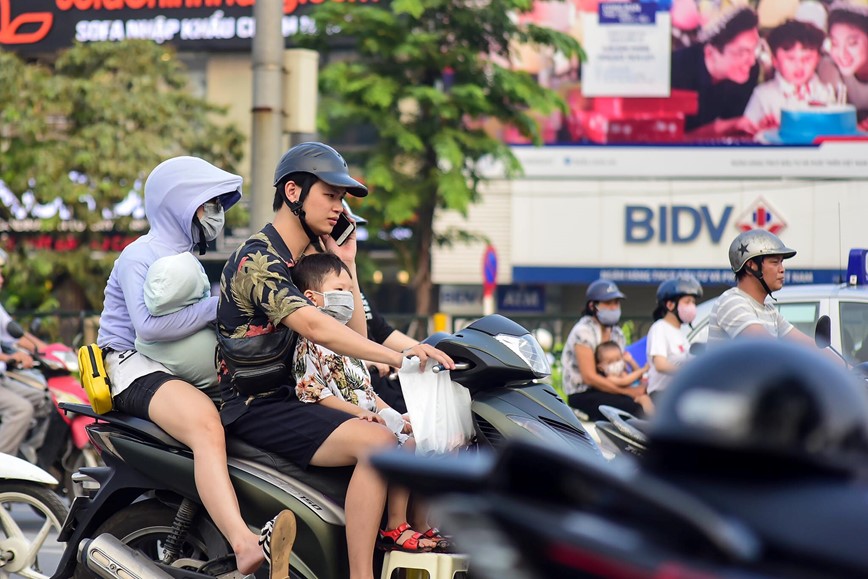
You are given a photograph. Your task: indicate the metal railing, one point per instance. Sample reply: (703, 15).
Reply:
(80, 327)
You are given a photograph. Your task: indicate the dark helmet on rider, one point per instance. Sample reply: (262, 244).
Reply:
(307, 163)
(319, 160)
(673, 289)
(765, 405)
(603, 290)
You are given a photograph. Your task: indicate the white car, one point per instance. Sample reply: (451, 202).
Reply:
(801, 305)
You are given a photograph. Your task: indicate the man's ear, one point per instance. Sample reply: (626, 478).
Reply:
(291, 191)
(309, 295)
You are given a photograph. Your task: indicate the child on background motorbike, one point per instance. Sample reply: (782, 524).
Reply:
(667, 347)
(610, 363)
(344, 383)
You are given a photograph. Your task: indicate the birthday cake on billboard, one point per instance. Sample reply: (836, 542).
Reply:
(803, 125)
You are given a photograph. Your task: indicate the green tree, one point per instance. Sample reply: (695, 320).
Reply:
(424, 74)
(86, 129)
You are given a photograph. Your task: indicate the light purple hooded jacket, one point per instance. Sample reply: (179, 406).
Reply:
(173, 192)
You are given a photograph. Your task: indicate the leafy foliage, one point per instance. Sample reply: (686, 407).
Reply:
(426, 74)
(87, 130)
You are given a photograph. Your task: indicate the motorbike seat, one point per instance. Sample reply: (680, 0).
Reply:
(332, 481)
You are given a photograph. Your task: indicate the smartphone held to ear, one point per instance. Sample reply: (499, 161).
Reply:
(343, 229)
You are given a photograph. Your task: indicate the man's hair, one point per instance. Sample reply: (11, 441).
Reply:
(304, 180)
(854, 15)
(607, 345)
(310, 272)
(793, 32)
(725, 31)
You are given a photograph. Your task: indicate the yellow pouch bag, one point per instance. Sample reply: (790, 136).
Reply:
(94, 378)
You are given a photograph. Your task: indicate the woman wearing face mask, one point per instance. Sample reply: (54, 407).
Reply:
(184, 202)
(258, 297)
(585, 386)
(666, 345)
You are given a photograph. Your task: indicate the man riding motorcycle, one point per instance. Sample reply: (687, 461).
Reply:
(757, 259)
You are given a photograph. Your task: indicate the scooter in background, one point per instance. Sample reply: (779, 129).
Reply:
(26, 497)
(58, 442)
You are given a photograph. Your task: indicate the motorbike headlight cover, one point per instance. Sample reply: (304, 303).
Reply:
(528, 349)
(68, 359)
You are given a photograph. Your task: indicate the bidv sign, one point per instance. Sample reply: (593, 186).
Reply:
(673, 223)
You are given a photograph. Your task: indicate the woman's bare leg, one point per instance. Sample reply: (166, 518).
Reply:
(351, 443)
(198, 426)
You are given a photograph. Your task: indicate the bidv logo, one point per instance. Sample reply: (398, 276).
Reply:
(760, 215)
(685, 223)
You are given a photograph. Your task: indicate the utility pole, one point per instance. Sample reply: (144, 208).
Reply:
(266, 137)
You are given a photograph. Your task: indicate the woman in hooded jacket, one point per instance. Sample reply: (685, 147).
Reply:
(185, 199)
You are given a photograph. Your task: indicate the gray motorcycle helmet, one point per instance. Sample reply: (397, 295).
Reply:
(322, 161)
(756, 243)
(603, 290)
(764, 401)
(673, 289)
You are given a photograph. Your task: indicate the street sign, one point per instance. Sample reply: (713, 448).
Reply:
(489, 271)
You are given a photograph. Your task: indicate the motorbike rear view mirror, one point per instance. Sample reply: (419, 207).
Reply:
(823, 336)
(697, 348)
(14, 329)
(823, 332)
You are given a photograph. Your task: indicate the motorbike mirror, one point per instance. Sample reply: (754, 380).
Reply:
(823, 336)
(697, 348)
(14, 329)
(35, 325)
(823, 332)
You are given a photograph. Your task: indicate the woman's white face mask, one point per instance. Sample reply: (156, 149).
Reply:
(213, 221)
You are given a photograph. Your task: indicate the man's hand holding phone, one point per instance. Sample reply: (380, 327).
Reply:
(342, 239)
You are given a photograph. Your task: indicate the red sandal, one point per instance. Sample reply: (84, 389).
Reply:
(443, 542)
(388, 540)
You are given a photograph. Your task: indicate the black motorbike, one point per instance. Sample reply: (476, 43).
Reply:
(141, 515)
(756, 472)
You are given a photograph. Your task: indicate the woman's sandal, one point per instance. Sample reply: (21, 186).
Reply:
(388, 540)
(443, 542)
(276, 540)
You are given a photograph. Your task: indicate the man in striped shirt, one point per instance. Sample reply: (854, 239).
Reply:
(757, 259)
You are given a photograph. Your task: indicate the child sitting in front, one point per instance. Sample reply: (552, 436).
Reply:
(795, 48)
(342, 382)
(610, 363)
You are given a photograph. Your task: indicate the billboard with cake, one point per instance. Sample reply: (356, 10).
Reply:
(747, 81)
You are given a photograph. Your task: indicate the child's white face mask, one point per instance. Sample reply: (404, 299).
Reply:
(615, 368)
(338, 304)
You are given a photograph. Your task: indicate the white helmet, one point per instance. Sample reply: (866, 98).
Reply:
(756, 243)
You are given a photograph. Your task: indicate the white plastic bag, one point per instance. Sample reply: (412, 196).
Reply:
(439, 408)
